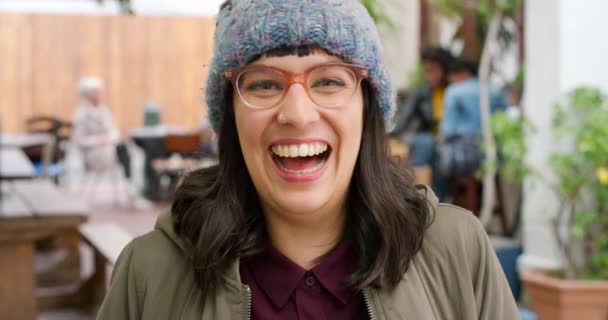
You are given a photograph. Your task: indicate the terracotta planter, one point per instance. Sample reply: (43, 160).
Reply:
(557, 299)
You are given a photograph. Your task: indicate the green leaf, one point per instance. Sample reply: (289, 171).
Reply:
(125, 6)
(375, 12)
(586, 98)
(602, 240)
(448, 8)
(510, 138)
(582, 222)
(484, 10)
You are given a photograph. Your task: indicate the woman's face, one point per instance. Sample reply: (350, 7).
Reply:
(94, 97)
(433, 73)
(280, 145)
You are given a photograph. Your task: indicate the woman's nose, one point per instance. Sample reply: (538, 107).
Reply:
(297, 109)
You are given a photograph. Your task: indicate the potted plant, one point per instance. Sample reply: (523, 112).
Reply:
(580, 226)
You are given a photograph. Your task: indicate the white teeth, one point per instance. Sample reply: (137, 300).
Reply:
(293, 151)
(299, 150)
(311, 150)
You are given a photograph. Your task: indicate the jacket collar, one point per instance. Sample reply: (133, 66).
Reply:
(164, 223)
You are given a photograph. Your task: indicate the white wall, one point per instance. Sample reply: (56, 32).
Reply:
(565, 47)
(401, 41)
(541, 89)
(141, 7)
(584, 46)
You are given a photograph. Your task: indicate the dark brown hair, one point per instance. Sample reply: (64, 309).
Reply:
(441, 57)
(218, 213)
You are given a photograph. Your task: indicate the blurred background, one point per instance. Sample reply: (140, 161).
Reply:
(501, 109)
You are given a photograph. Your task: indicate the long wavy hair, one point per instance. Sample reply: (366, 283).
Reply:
(218, 213)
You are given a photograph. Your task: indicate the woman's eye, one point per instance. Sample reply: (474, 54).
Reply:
(328, 82)
(264, 85)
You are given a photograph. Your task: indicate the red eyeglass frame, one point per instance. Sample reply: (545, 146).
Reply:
(291, 78)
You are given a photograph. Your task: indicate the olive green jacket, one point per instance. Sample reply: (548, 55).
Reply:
(455, 275)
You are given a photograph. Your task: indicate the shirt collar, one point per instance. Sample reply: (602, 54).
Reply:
(335, 269)
(278, 276)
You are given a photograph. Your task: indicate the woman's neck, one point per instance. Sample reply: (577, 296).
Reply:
(304, 243)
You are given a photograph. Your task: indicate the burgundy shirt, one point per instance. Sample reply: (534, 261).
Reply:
(281, 289)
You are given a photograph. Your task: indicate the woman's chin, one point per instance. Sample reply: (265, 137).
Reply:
(302, 203)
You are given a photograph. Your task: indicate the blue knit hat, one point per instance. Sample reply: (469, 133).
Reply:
(247, 28)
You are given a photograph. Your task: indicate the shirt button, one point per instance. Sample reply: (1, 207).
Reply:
(310, 281)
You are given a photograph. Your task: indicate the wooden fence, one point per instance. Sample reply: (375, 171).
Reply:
(140, 59)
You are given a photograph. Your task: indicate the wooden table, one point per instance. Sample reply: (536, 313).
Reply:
(14, 164)
(23, 140)
(30, 210)
(151, 141)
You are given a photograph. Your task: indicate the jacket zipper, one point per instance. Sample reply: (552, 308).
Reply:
(368, 304)
(248, 304)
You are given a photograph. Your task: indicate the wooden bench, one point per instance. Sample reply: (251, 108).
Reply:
(107, 241)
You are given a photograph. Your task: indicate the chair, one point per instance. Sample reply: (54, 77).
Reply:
(186, 145)
(467, 191)
(48, 159)
(183, 153)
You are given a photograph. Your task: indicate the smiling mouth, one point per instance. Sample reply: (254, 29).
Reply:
(301, 159)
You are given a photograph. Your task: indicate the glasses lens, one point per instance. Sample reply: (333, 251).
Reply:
(261, 88)
(332, 86)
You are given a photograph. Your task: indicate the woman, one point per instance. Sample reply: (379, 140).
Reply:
(425, 108)
(305, 217)
(94, 130)
(425, 105)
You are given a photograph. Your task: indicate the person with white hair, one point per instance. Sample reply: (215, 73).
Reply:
(94, 131)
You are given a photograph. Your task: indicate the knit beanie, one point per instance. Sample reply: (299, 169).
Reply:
(248, 28)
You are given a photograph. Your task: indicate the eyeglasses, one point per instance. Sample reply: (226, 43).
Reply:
(328, 85)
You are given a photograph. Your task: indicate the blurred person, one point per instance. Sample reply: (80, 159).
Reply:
(94, 131)
(425, 104)
(462, 114)
(98, 138)
(425, 108)
(460, 128)
(305, 216)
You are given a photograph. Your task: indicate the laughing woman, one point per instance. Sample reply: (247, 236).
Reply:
(305, 217)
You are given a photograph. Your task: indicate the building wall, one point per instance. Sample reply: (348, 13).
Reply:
(565, 47)
(584, 46)
(141, 7)
(541, 89)
(401, 41)
(140, 59)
